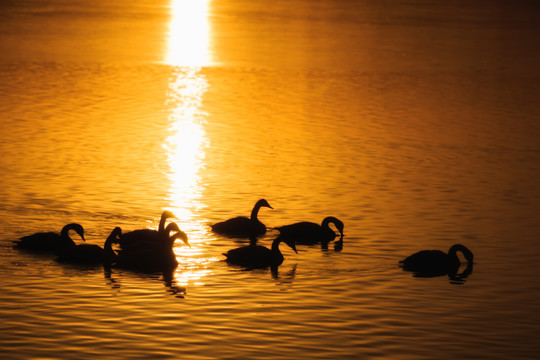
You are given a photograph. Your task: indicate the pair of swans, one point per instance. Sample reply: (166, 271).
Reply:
(143, 249)
(257, 256)
(66, 249)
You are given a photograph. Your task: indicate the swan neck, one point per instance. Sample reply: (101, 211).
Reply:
(65, 235)
(255, 212)
(275, 246)
(161, 227)
(466, 253)
(326, 223)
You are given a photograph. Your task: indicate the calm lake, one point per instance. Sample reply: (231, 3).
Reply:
(415, 122)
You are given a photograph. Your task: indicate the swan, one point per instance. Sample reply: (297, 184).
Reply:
(257, 256)
(90, 253)
(148, 238)
(310, 233)
(242, 226)
(436, 261)
(49, 241)
(157, 256)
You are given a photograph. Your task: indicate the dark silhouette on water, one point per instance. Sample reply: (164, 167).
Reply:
(308, 233)
(90, 253)
(255, 256)
(49, 241)
(431, 263)
(159, 257)
(242, 226)
(144, 238)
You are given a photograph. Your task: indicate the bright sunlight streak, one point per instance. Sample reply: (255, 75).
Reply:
(189, 33)
(185, 146)
(188, 52)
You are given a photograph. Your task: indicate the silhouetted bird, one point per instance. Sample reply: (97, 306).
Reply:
(90, 253)
(257, 256)
(310, 233)
(242, 226)
(157, 256)
(436, 262)
(148, 238)
(49, 241)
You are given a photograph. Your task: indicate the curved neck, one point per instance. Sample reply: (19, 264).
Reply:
(466, 252)
(275, 246)
(326, 222)
(161, 227)
(255, 212)
(108, 245)
(65, 234)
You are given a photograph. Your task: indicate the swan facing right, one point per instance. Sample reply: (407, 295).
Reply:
(49, 242)
(242, 226)
(255, 256)
(435, 261)
(308, 233)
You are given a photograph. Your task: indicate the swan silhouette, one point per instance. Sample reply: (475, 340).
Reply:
(436, 262)
(148, 238)
(242, 226)
(49, 241)
(310, 233)
(90, 253)
(255, 256)
(154, 255)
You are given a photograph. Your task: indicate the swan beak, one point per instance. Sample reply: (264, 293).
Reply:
(292, 245)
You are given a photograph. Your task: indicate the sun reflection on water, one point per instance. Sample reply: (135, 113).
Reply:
(185, 147)
(189, 33)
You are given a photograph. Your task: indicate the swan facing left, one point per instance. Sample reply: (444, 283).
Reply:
(49, 241)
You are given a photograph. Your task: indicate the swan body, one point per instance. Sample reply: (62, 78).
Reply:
(49, 241)
(436, 261)
(154, 255)
(148, 238)
(242, 226)
(310, 233)
(257, 256)
(143, 238)
(90, 253)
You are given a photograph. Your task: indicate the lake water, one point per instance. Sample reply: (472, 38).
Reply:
(415, 123)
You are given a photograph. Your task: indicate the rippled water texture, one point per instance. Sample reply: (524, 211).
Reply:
(415, 124)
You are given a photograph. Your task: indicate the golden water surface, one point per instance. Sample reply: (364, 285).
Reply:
(414, 123)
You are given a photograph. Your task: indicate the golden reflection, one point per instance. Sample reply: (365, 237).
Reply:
(189, 33)
(188, 52)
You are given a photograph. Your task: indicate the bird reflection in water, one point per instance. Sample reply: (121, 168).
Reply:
(167, 277)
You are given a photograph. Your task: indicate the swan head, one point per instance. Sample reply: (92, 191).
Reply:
(464, 250)
(171, 227)
(262, 203)
(182, 236)
(338, 223)
(291, 243)
(77, 228)
(116, 234)
(167, 215)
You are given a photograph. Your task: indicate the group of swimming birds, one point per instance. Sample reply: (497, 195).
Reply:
(152, 250)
